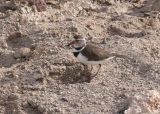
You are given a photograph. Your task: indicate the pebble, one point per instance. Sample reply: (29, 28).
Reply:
(64, 99)
(22, 52)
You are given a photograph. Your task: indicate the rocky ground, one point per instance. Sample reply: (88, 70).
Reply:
(39, 75)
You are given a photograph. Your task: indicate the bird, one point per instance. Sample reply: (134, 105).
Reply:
(89, 53)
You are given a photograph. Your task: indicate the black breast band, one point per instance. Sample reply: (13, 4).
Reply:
(76, 53)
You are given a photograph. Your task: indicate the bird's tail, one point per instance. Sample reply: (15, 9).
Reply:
(122, 56)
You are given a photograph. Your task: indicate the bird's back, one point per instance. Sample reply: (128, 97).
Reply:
(94, 53)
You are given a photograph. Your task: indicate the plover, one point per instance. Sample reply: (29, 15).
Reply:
(90, 54)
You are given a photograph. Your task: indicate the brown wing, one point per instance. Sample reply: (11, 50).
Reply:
(94, 53)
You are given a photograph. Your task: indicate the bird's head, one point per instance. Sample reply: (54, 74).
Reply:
(78, 42)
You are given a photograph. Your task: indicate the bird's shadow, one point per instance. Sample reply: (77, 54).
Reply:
(77, 73)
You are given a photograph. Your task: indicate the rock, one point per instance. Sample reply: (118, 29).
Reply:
(147, 102)
(107, 2)
(151, 5)
(155, 6)
(64, 99)
(40, 5)
(57, 110)
(15, 35)
(10, 6)
(22, 52)
(13, 96)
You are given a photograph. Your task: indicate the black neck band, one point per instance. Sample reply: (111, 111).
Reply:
(76, 53)
(79, 48)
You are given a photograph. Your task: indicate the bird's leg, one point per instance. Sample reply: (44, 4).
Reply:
(98, 69)
(88, 76)
(91, 68)
(84, 66)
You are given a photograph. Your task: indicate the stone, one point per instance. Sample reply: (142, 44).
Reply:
(22, 52)
(147, 102)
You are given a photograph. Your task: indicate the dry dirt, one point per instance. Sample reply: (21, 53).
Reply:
(39, 75)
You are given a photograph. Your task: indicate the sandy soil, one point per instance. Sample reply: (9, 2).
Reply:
(39, 75)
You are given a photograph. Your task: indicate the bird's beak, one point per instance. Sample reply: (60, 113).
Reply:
(70, 43)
